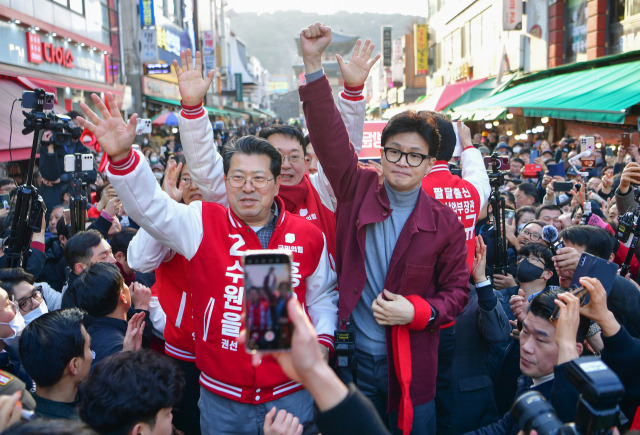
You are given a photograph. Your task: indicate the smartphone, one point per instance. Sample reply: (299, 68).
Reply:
(609, 152)
(625, 141)
(78, 162)
(534, 155)
(143, 126)
(267, 284)
(66, 214)
(509, 216)
(531, 170)
(5, 200)
(503, 163)
(588, 143)
(556, 169)
(562, 186)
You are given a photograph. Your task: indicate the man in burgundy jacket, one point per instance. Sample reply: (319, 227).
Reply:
(400, 253)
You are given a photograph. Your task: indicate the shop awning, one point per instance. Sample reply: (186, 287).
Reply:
(20, 144)
(598, 95)
(443, 97)
(51, 85)
(480, 91)
(210, 110)
(249, 112)
(269, 113)
(164, 100)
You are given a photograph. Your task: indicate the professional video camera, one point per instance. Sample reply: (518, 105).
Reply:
(499, 166)
(629, 232)
(598, 411)
(63, 131)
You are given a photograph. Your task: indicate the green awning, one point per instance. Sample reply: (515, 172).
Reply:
(599, 95)
(164, 100)
(246, 112)
(480, 91)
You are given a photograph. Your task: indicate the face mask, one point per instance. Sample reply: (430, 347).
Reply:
(153, 160)
(34, 314)
(516, 149)
(158, 175)
(527, 272)
(145, 141)
(17, 325)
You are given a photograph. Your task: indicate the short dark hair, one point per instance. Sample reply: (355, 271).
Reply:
(517, 160)
(49, 342)
(447, 136)
(523, 210)
(11, 277)
(542, 224)
(252, 145)
(529, 190)
(596, 241)
(525, 150)
(423, 123)
(285, 130)
(128, 388)
(97, 289)
(541, 251)
(544, 207)
(79, 248)
(49, 426)
(120, 242)
(543, 305)
(5, 180)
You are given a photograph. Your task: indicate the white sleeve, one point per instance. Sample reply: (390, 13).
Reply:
(157, 315)
(353, 113)
(145, 254)
(52, 297)
(176, 226)
(322, 299)
(205, 163)
(473, 170)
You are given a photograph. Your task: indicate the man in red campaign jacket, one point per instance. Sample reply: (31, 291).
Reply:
(214, 239)
(467, 195)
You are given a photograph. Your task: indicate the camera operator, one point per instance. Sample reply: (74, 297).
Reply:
(625, 200)
(55, 145)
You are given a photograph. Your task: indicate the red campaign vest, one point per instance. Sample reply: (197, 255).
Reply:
(217, 293)
(303, 200)
(174, 294)
(460, 195)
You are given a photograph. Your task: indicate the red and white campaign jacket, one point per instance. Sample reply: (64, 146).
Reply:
(466, 196)
(213, 239)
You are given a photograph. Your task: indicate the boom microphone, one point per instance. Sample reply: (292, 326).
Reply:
(550, 235)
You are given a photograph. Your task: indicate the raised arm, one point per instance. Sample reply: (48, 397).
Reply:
(196, 134)
(326, 127)
(177, 226)
(351, 105)
(472, 164)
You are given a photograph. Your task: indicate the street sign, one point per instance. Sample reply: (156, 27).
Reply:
(149, 45)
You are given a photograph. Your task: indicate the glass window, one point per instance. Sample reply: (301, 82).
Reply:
(75, 5)
(634, 7)
(617, 11)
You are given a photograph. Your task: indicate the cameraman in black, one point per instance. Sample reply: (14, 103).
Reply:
(55, 145)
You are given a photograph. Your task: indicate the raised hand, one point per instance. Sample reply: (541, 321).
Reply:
(313, 40)
(113, 134)
(355, 72)
(133, 336)
(170, 184)
(192, 86)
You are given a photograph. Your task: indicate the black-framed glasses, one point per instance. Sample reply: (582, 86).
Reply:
(534, 237)
(258, 181)
(293, 160)
(394, 155)
(26, 304)
(523, 257)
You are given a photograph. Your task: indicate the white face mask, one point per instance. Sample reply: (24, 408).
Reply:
(17, 325)
(158, 175)
(34, 314)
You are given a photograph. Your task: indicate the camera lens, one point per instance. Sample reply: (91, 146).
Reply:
(532, 411)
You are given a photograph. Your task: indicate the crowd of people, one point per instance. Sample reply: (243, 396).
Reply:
(415, 311)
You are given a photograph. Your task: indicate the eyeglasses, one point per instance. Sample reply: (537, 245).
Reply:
(187, 181)
(258, 181)
(524, 257)
(26, 304)
(532, 236)
(294, 159)
(394, 155)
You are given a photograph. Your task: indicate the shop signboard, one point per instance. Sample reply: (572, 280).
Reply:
(386, 46)
(149, 45)
(371, 140)
(511, 14)
(147, 17)
(160, 89)
(421, 48)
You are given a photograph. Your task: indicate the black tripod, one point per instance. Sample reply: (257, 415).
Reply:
(496, 179)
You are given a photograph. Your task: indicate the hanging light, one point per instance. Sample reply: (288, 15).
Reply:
(509, 133)
(544, 120)
(488, 125)
(509, 115)
(496, 123)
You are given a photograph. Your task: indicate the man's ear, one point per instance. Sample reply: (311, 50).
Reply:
(140, 429)
(547, 274)
(120, 257)
(73, 366)
(79, 267)
(612, 256)
(579, 348)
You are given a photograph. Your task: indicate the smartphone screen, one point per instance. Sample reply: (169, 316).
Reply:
(509, 216)
(267, 283)
(66, 213)
(5, 201)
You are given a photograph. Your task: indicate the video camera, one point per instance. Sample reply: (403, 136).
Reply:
(63, 131)
(597, 412)
(628, 232)
(499, 166)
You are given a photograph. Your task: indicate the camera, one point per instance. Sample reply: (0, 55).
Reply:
(626, 224)
(63, 131)
(502, 162)
(78, 162)
(598, 407)
(345, 346)
(38, 100)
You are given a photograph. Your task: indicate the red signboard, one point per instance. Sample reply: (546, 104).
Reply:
(371, 140)
(34, 48)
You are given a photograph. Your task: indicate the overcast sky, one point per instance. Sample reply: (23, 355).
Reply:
(406, 7)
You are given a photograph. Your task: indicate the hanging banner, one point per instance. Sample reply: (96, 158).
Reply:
(421, 49)
(238, 77)
(512, 14)
(149, 45)
(147, 17)
(207, 42)
(386, 46)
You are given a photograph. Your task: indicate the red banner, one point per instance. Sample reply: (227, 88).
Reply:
(371, 140)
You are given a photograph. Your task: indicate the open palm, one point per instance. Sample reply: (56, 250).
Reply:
(113, 134)
(355, 72)
(193, 87)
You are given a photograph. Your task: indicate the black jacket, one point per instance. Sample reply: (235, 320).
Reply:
(354, 415)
